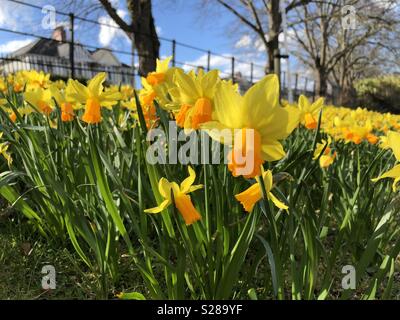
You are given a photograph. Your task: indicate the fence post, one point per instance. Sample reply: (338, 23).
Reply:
(133, 63)
(208, 60)
(305, 86)
(72, 45)
(173, 52)
(283, 81)
(233, 68)
(251, 72)
(314, 88)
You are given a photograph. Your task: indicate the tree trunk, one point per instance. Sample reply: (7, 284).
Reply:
(145, 35)
(348, 94)
(275, 22)
(321, 82)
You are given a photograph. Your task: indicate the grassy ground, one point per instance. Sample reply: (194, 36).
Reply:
(23, 254)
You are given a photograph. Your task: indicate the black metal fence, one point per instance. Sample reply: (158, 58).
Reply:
(72, 58)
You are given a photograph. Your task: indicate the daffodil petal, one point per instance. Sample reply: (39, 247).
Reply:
(95, 85)
(194, 188)
(227, 106)
(278, 125)
(261, 100)
(164, 187)
(218, 132)
(393, 173)
(80, 92)
(272, 151)
(277, 202)
(316, 106)
(160, 208)
(304, 103)
(394, 143)
(162, 65)
(268, 180)
(208, 83)
(187, 183)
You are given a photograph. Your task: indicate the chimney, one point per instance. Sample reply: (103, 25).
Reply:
(59, 34)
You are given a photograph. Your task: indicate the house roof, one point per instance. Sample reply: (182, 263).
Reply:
(45, 47)
(54, 48)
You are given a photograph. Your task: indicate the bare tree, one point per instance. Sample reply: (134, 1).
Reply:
(264, 18)
(141, 30)
(323, 43)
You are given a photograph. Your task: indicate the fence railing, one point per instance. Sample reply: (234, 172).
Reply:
(76, 59)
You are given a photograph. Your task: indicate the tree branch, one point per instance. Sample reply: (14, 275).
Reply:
(112, 12)
(240, 16)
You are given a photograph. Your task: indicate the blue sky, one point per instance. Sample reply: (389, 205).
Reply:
(185, 22)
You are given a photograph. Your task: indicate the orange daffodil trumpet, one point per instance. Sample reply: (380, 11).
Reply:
(393, 141)
(64, 101)
(324, 152)
(178, 196)
(252, 195)
(93, 97)
(257, 124)
(41, 99)
(156, 86)
(310, 111)
(157, 83)
(193, 97)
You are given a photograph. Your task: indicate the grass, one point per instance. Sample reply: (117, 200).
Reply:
(22, 257)
(23, 254)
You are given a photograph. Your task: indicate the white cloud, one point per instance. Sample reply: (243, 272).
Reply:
(8, 15)
(244, 42)
(109, 30)
(248, 42)
(159, 30)
(14, 16)
(13, 45)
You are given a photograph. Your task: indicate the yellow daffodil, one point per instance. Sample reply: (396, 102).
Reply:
(328, 156)
(357, 134)
(384, 142)
(147, 94)
(3, 85)
(18, 82)
(3, 151)
(258, 116)
(194, 95)
(11, 113)
(130, 104)
(148, 107)
(41, 99)
(93, 97)
(180, 199)
(37, 79)
(127, 92)
(60, 84)
(159, 76)
(64, 101)
(310, 111)
(157, 83)
(393, 141)
(252, 195)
